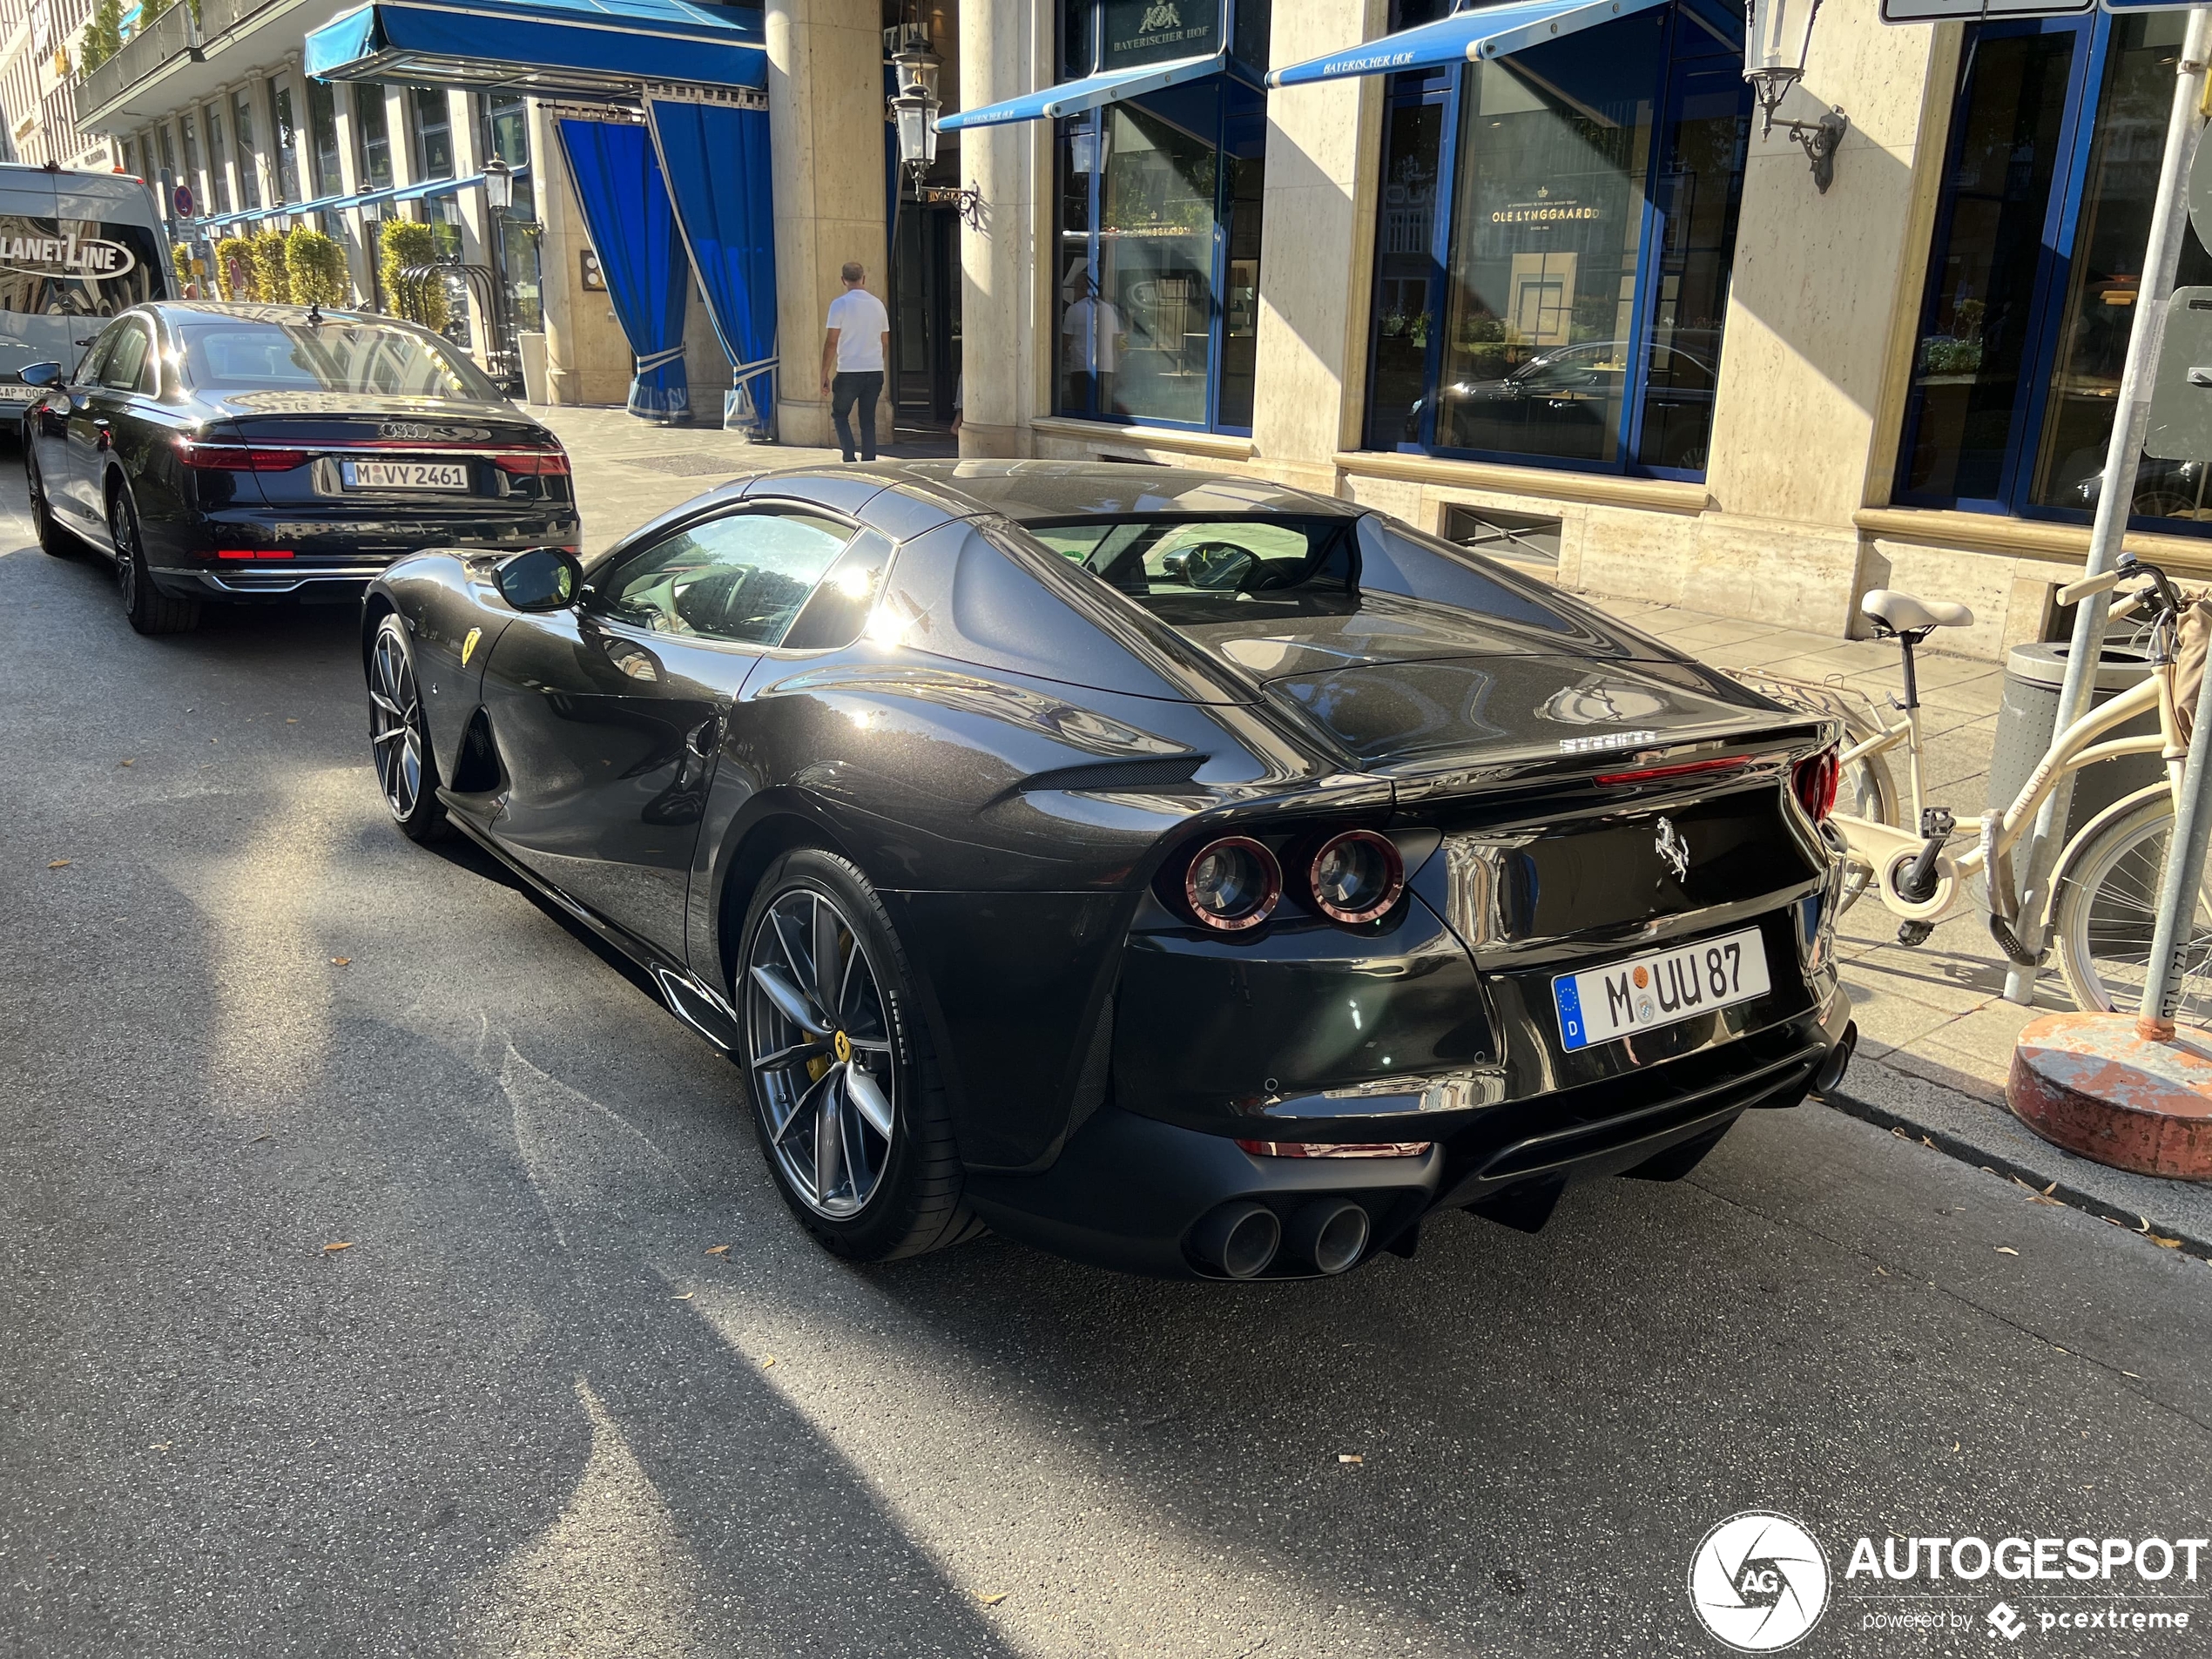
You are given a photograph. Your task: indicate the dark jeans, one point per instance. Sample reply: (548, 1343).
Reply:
(846, 392)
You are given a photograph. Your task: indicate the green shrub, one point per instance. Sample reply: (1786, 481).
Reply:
(315, 269)
(405, 243)
(272, 278)
(180, 262)
(235, 268)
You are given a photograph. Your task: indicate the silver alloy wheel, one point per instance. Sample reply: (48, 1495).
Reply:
(396, 726)
(121, 527)
(2105, 929)
(818, 1052)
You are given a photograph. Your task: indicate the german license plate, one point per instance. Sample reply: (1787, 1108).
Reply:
(1644, 993)
(403, 474)
(20, 394)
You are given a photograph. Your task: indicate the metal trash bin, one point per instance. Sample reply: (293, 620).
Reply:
(2025, 724)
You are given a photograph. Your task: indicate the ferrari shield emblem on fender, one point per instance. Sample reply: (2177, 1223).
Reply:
(469, 644)
(1673, 851)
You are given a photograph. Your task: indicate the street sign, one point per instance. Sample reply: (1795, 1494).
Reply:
(184, 201)
(2181, 398)
(1977, 11)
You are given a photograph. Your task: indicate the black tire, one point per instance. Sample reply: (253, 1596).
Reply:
(914, 1201)
(52, 537)
(151, 611)
(399, 737)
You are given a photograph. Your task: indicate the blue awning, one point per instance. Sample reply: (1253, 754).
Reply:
(1465, 36)
(588, 48)
(1072, 97)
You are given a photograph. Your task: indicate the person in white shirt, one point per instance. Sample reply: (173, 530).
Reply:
(1092, 337)
(852, 359)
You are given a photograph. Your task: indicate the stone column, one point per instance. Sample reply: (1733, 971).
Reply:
(1823, 300)
(825, 127)
(1003, 303)
(1317, 246)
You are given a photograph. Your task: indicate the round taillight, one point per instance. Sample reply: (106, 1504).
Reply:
(1233, 884)
(1355, 876)
(1816, 779)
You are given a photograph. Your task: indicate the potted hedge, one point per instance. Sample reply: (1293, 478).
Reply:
(235, 271)
(404, 244)
(271, 278)
(315, 268)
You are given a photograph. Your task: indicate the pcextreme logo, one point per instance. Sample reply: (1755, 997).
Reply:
(1758, 1582)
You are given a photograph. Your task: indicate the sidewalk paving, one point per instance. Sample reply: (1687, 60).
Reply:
(1936, 1034)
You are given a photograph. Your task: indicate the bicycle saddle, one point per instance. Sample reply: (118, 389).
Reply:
(1903, 613)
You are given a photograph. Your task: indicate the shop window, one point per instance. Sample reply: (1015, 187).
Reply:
(373, 133)
(188, 138)
(430, 113)
(249, 180)
(2034, 274)
(325, 178)
(1553, 247)
(505, 118)
(218, 163)
(1158, 229)
(1158, 271)
(284, 141)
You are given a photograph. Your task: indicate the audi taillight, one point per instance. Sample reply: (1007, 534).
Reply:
(1352, 876)
(1232, 884)
(534, 464)
(1815, 780)
(237, 457)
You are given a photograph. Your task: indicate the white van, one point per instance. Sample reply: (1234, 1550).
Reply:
(75, 248)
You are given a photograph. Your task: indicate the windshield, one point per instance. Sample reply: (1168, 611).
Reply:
(1213, 570)
(357, 357)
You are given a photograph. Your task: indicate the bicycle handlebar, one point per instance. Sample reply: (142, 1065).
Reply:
(2075, 593)
(2169, 601)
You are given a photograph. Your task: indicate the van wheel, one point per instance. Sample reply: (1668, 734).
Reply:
(151, 611)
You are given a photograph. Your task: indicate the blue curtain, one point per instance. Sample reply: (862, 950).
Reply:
(633, 231)
(716, 161)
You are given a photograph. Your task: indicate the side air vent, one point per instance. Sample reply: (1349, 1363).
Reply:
(1170, 771)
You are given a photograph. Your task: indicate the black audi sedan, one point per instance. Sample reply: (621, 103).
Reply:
(256, 453)
(1182, 873)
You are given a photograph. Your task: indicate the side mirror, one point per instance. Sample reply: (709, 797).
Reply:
(39, 373)
(540, 578)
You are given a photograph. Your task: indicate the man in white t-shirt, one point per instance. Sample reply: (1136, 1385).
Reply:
(852, 358)
(1092, 338)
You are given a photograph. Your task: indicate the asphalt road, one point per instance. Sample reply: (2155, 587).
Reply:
(525, 1411)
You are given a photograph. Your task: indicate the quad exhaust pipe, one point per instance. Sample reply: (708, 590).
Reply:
(1242, 1239)
(1238, 1239)
(1837, 1060)
(1328, 1235)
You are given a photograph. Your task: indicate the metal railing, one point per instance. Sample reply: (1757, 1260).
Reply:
(168, 37)
(175, 34)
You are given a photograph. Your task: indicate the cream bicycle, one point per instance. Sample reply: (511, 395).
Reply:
(2105, 885)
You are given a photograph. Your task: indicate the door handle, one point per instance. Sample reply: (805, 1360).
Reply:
(702, 739)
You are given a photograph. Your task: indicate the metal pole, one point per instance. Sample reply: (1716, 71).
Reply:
(2164, 973)
(2123, 454)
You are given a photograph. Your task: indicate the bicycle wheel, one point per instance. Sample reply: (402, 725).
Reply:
(2107, 908)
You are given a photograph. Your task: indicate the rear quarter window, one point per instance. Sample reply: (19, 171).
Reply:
(77, 267)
